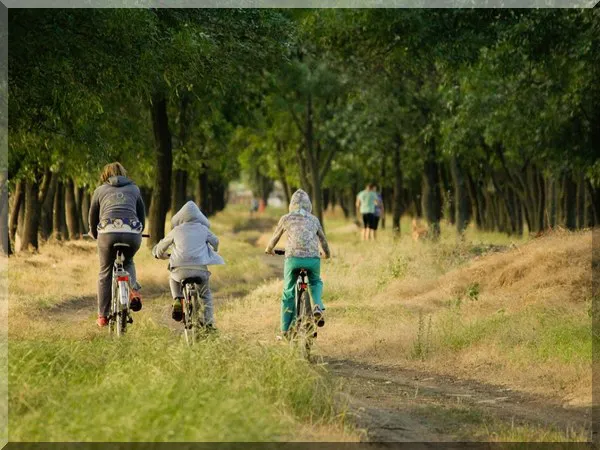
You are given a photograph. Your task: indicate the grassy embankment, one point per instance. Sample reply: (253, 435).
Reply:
(506, 311)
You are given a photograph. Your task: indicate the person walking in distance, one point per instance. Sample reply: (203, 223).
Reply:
(379, 211)
(366, 200)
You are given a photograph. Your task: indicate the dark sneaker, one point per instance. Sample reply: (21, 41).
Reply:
(177, 313)
(318, 314)
(102, 321)
(135, 300)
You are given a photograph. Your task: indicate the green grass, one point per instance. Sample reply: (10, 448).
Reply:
(534, 334)
(150, 386)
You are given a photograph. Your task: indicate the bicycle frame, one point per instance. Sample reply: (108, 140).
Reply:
(193, 311)
(119, 314)
(301, 286)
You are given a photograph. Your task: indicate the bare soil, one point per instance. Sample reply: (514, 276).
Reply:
(395, 405)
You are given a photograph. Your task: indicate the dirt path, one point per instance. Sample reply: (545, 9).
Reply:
(405, 405)
(396, 405)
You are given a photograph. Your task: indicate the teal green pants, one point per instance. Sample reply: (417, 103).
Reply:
(290, 276)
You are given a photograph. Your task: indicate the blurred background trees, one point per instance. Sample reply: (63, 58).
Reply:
(482, 117)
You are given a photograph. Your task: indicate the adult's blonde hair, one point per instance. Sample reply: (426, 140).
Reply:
(114, 169)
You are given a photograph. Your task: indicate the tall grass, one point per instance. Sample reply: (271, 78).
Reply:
(152, 387)
(72, 382)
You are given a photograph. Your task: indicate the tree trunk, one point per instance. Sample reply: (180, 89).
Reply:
(326, 198)
(448, 201)
(432, 201)
(146, 197)
(313, 163)
(161, 197)
(581, 200)
(518, 209)
(4, 240)
(476, 201)
(72, 218)
(202, 193)
(179, 191)
(19, 196)
(79, 196)
(552, 210)
(46, 211)
(317, 199)
(570, 202)
(461, 195)
(397, 193)
(85, 210)
(58, 214)
(282, 173)
(29, 239)
(594, 203)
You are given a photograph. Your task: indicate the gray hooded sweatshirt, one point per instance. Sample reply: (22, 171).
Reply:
(303, 229)
(119, 198)
(189, 239)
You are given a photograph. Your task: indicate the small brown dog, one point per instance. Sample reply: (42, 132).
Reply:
(419, 231)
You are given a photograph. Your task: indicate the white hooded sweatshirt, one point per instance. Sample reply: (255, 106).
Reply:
(191, 241)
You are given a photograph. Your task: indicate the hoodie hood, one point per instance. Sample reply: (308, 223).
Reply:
(189, 213)
(300, 200)
(119, 181)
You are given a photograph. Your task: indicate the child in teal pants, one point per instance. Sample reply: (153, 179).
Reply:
(304, 233)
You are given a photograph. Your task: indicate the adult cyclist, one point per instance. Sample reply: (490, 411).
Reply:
(117, 215)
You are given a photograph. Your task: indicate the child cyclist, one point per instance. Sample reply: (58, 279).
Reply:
(302, 252)
(193, 248)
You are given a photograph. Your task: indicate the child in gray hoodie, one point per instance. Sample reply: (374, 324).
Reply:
(193, 248)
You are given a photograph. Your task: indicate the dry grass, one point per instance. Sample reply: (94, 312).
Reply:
(509, 312)
(519, 317)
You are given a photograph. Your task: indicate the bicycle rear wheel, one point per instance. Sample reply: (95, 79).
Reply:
(112, 318)
(192, 312)
(305, 326)
(122, 301)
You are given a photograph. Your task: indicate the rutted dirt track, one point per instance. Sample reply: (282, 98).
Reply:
(391, 404)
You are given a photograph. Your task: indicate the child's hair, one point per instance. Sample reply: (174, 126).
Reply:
(114, 169)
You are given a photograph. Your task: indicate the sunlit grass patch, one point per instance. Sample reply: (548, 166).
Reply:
(158, 389)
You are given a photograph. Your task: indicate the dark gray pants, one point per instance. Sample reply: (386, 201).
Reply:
(107, 254)
(180, 274)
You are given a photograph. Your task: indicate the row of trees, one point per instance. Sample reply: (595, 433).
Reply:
(158, 89)
(482, 116)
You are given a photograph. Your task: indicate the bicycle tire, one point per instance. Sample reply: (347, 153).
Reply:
(112, 324)
(187, 316)
(304, 324)
(122, 312)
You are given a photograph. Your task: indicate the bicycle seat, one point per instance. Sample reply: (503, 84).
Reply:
(192, 280)
(119, 244)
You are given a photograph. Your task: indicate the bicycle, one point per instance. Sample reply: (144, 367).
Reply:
(193, 309)
(120, 314)
(304, 329)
